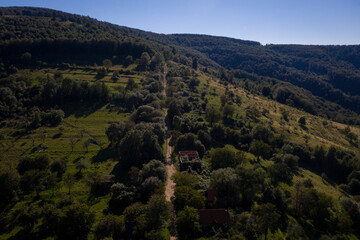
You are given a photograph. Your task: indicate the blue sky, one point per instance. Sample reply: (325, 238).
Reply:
(266, 21)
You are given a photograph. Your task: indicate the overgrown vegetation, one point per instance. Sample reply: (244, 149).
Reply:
(83, 134)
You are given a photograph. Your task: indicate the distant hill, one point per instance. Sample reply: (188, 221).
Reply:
(88, 110)
(329, 72)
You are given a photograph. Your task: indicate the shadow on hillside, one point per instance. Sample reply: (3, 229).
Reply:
(120, 172)
(104, 154)
(82, 109)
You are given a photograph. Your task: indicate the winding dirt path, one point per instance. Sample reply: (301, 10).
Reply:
(170, 169)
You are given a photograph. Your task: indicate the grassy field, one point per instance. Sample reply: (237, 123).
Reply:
(85, 123)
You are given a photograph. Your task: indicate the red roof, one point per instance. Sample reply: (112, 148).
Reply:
(211, 195)
(211, 216)
(190, 154)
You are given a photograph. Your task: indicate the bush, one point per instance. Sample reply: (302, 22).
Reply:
(149, 185)
(259, 148)
(280, 172)
(9, 185)
(52, 117)
(154, 168)
(74, 217)
(122, 196)
(110, 227)
(223, 158)
(187, 196)
(40, 162)
(58, 166)
(302, 121)
(187, 223)
(189, 141)
(185, 179)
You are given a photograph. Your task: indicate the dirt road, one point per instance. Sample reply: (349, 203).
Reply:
(170, 168)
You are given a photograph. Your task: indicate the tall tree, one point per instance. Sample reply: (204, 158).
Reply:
(187, 223)
(107, 63)
(195, 63)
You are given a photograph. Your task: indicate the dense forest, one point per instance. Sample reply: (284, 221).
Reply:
(108, 132)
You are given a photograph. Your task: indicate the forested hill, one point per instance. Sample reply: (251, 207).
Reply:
(330, 73)
(94, 116)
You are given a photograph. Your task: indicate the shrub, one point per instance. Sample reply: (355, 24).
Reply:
(223, 158)
(110, 227)
(187, 196)
(58, 166)
(187, 223)
(154, 168)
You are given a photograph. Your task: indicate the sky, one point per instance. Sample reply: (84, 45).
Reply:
(265, 21)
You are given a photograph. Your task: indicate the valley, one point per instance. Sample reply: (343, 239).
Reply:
(111, 132)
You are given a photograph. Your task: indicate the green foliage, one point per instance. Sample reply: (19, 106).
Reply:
(225, 157)
(228, 110)
(32, 99)
(302, 120)
(194, 63)
(225, 180)
(185, 179)
(213, 115)
(259, 148)
(174, 108)
(28, 216)
(262, 133)
(107, 64)
(250, 182)
(157, 211)
(40, 162)
(187, 196)
(154, 168)
(266, 217)
(189, 141)
(81, 164)
(280, 172)
(122, 196)
(69, 180)
(315, 206)
(110, 227)
(137, 148)
(144, 62)
(156, 62)
(131, 85)
(9, 185)
(147, 113)
(187, 223)
(133, 211)
(58, 166)
(149, 185)
(75, 218)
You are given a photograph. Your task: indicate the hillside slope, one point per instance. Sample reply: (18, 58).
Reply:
(329, 73)
(84, 142)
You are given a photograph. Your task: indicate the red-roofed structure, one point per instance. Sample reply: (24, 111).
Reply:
(209, 217)
(189, 159)
(190, 154)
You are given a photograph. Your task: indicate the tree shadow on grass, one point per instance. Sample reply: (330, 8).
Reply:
(120, 171)
(82, 109)
(104, 154)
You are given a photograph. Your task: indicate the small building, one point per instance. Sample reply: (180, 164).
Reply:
(208, 217)
(189, 159)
